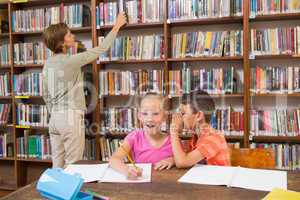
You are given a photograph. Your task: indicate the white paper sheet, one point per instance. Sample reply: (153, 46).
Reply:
(255, 179)
(208, 175)
(113, 176)
(258, 179)
(88, 172)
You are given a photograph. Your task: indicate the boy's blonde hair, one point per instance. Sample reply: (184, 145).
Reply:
(152, 95)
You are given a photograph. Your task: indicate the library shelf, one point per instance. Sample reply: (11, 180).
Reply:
(274, 17)
(4, 35)
(131, 61)
(28, 97)
(276, 95)
(34, 160)
(86, 29)
(5, 67)
(276, 139)
(206, 21)
(269, 57)
(5, 97)
(41, 128)
(10, 187)
(7, 159)
(208, 58)
(216, 96)
(28, 66)
(134, 26)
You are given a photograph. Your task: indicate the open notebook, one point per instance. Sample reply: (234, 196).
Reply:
(255, 179)
(103, 173)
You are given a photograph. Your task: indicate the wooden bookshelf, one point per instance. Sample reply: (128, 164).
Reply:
(28, 97)
(19, 166)
(7, 158)
(269, 57)
(215, 96)
(208, 58)
(41, 128)
(276, 95)
(5, 67)
(5, 97)
(274, 17)
(206, 21)
(4, 35)
(277, 139)
(34, 160)
(132, 61)
(135, 26)
(29, 66)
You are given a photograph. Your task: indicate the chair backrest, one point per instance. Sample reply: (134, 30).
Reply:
(253, 158)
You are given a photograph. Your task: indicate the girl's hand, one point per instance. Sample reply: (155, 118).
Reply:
(134, 172)
(121, 20)
(164, 164)
(176, 124)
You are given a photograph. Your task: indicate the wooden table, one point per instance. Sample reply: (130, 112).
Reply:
(164, 185)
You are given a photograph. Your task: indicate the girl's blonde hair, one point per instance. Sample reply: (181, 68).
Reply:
(160, 98)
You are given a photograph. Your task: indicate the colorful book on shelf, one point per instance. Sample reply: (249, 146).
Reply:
(190, 9)
(207, 44)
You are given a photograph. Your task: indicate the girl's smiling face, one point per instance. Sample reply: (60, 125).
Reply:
(151, 115)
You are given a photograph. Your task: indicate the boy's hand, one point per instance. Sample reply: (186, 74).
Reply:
(164, 164)
(176, 124)
(134, 172)
(121, 20)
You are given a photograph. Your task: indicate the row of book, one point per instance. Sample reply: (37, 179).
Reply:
(275, 41)
(270, 79)
(5, 85)
(33, 146)
(32, 115)
(6, 145)
(139, 11)
(141, 47)
(5, 110)
(28, 84)
(4, 54)
(108, 146)
(89, 149)
(211, 80)
(130, 82)
(125, 119)
(119, 119)
(29, 53)
(228, 121)
(37, 19)
(287, 156)
(277, 122)
(76, 15)
(195, 9)
(267, 7)
(217, 43)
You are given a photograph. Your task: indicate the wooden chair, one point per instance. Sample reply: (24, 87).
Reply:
(253, 158)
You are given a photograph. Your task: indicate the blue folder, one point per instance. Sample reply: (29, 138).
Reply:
(57, 185)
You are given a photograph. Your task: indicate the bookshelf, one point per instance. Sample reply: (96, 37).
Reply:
(23, 170)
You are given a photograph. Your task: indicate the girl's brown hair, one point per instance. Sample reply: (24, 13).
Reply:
(54, 37)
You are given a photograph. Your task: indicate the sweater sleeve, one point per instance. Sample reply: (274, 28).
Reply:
(90, 55)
